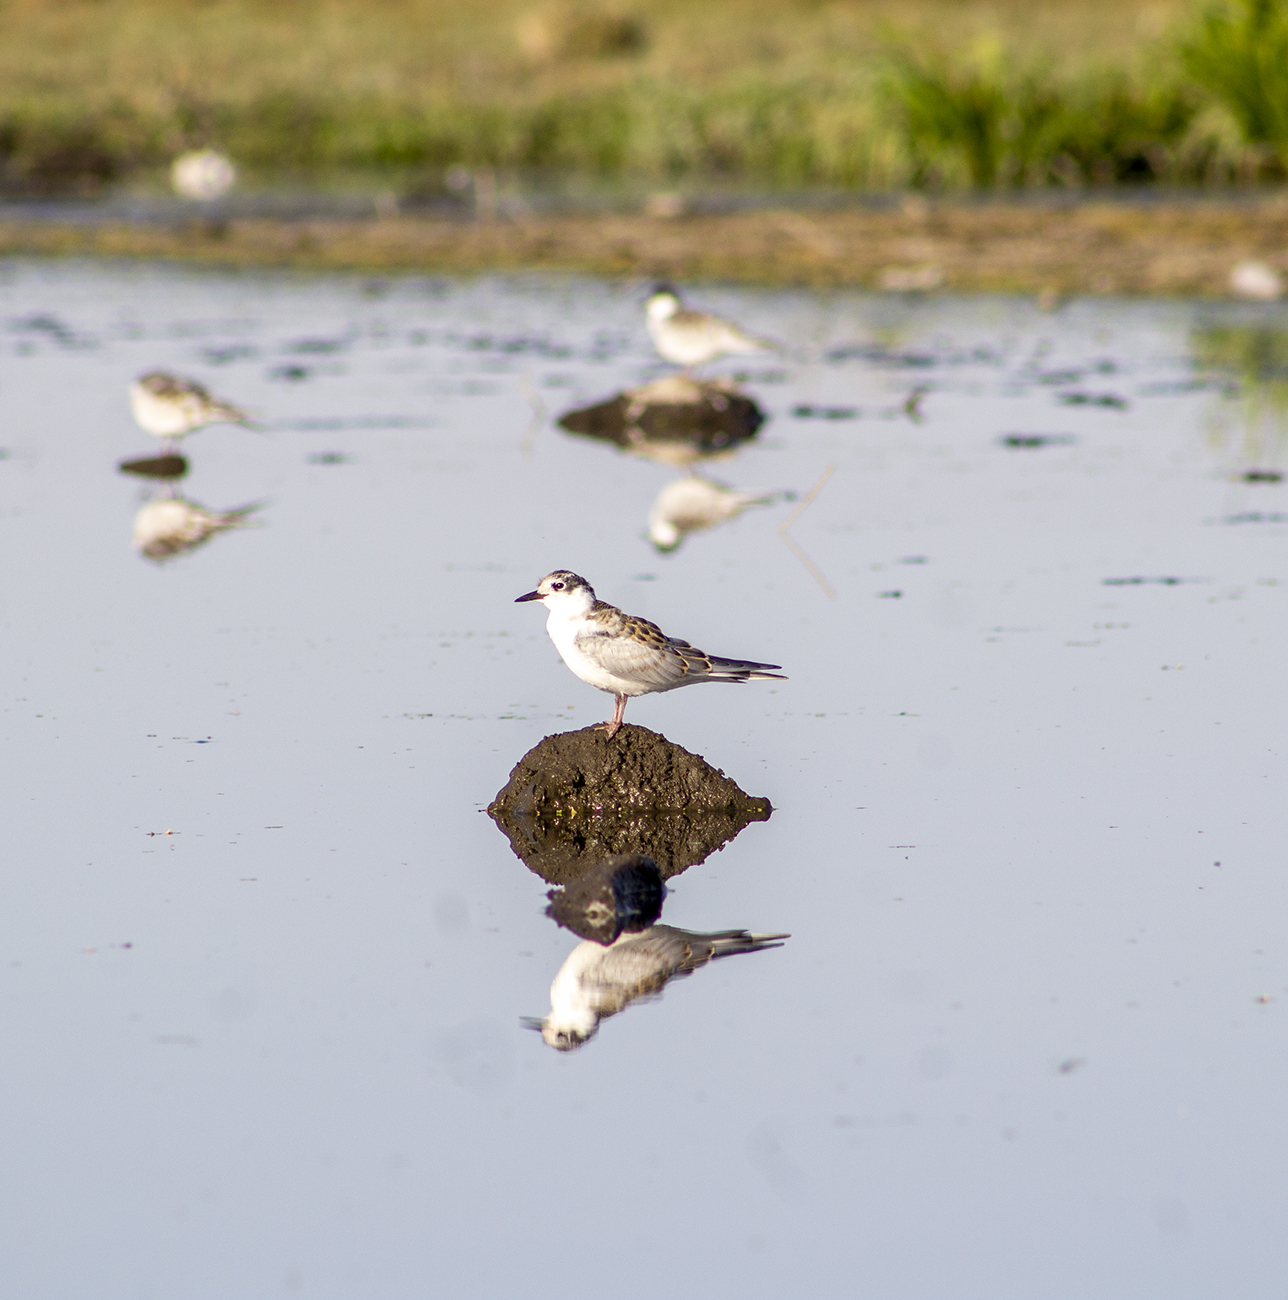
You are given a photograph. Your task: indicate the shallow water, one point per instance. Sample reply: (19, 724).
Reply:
(1027, 1036)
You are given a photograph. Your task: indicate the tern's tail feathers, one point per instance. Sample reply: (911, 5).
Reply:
(738, 343)
(743, 670)
(728, 943)
(226, 413)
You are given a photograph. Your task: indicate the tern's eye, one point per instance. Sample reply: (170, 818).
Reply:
(557, 586)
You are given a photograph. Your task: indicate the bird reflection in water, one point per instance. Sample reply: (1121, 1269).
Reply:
(169, 524)
(692, 503)
(602, 975)
(172, 525)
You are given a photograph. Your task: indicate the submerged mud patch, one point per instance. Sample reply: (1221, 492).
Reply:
(579, 797)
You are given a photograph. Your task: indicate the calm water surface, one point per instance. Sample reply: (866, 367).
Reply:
(263, 957)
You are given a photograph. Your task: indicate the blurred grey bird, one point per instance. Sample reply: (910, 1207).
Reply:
(693, 503)
(690, 338)
(168, 407)
(624, 655)
(597, 980)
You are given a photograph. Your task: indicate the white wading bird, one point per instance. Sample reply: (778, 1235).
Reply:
(625, 655)
(599, 980)
(202, 174)
(168, 407)
(690, 338)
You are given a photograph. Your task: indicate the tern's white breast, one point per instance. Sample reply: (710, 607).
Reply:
(166, 417)
(563, 632)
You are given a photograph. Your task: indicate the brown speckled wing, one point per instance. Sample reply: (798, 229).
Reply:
(638, 652)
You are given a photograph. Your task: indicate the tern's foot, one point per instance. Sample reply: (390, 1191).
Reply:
(610, 728)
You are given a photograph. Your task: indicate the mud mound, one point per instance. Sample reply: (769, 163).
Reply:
(670, 417)
(578, 798)
(171, 465)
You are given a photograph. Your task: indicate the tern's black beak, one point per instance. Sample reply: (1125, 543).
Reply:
(532, 1022)
(532, 595)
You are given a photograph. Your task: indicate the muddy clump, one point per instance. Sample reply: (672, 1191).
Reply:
(169, 466)
(578, 798)
(675, 419)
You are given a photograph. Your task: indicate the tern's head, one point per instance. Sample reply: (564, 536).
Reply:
(563, 591)
(167, 388)
(563, 1036)
(664, 534)
(663, 302)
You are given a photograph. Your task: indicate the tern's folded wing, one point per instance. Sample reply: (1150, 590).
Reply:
(639, 652)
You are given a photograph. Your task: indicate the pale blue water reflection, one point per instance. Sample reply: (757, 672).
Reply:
(263, 958)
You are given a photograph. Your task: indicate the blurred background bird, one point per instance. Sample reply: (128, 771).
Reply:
(691, 338)
(202, 175)
(169, 407)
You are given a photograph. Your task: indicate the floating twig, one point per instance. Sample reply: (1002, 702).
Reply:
(815, 572)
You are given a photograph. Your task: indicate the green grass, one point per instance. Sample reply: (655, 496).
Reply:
(778, 92)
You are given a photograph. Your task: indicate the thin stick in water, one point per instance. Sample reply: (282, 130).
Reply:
(799, 552)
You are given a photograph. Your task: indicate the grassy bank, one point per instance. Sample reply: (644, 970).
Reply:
(859, 93)
(1085, 249)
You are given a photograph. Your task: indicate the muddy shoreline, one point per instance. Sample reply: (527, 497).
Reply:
(1108, 248)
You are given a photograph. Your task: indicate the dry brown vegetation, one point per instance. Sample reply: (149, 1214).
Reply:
(1090, 248)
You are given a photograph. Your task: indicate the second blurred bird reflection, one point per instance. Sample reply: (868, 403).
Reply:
(625, 956)
(693, 503)
(169, 524)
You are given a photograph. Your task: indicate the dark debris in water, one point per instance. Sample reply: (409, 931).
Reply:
(579, 797)
(522, 345)
(328, 458)
(804, 412)
(888, 358)
(319, 347)
(1036, 439)
(1175, 387)
(1112, 401)
(171, 466)
(51, 327)
(1255, 517)
(223, 356)
(290, 374)
(1263, 476)
(1138, 582)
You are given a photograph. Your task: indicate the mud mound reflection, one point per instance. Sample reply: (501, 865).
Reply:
(623, 893)
(675, 420)
(578, 798)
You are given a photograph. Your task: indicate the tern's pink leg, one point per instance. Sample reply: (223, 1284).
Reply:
(615, 722)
